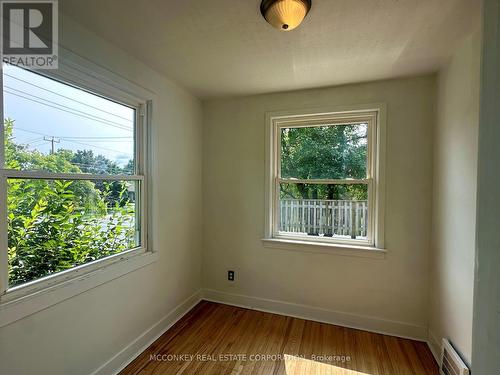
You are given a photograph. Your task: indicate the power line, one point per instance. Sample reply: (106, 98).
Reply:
(95, 140)
(98, 137)
(126, 127)
(122, 127)
(32, 140)
(29, 131)
(37, 143)
(41, 142)
(102, 148)
(67, 97)
(70, 137)
(64, 139)
(129, 140)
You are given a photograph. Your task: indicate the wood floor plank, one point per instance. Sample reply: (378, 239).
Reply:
(425, 356)
(366, 353)
(220, 339)
(202, 311)
(397, 357)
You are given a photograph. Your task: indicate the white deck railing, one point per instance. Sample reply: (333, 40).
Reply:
(324, 217)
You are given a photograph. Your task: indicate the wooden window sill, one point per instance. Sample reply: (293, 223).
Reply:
(325, 248)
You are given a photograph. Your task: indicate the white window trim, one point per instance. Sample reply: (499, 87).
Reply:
(25, 299)
(375, 248)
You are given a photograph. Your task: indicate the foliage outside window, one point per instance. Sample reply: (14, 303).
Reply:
(322, 180)
(70, 175)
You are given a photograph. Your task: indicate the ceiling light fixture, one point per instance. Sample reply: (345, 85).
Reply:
(285, 15)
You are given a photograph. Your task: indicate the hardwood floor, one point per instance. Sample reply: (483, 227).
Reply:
(230, 340)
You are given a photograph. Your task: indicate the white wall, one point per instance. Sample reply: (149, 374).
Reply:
(486, 332)
(454, 201)
(392, 291)
(82, 333)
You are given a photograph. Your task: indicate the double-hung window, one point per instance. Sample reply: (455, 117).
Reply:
(73, 177)
(324, 177)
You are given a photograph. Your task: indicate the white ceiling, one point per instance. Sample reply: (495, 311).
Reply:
(224, 47)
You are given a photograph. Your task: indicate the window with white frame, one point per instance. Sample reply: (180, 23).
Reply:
(324, 180)
(72, 189)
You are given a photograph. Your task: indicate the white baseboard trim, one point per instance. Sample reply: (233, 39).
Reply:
(121, 359)
(366, 323)
(388, 327)
(434, 345)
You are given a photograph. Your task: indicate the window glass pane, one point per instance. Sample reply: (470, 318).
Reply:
(324, 152)
(56, 127)
(338, 211)
(55, 225)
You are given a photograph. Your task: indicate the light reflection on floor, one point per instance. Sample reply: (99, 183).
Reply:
(297, 365)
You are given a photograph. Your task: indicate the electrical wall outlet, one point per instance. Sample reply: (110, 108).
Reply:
(230, 275)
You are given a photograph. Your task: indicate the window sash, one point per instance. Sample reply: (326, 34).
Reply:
(44, 282)
(9, 293)
(337, 121)
(319, 120)
(141, 144)
(276, 233)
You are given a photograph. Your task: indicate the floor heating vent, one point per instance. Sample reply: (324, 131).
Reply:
(451, 363)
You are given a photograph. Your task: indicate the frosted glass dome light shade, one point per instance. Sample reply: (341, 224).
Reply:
(285, 15)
